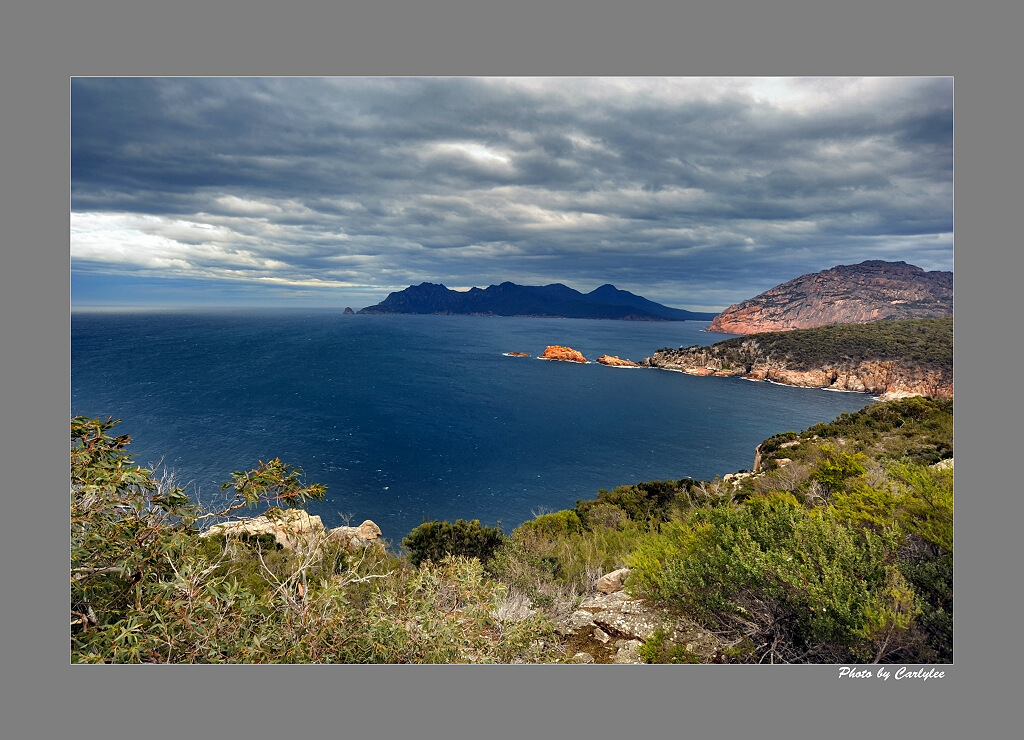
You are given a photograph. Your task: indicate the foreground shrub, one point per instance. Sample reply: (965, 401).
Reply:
(800, 585)
(436, 540)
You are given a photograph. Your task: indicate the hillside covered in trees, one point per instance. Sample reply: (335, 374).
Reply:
(839, 548)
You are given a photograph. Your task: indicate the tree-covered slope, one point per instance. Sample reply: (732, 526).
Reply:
(910, 357)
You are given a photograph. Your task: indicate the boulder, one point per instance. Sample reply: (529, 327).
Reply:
(612, 582)
(629, 652)
(292, 527)
(289, 527)
(356, 538)
(566, 354)
(614, 361)
(613, 626)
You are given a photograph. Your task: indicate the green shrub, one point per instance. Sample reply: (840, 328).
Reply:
(835, 467)
(657, 649)
(650, 502)
(435, 540)
(817, 587)
(554, 524)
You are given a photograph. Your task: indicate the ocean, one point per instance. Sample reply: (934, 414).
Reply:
(411, 418)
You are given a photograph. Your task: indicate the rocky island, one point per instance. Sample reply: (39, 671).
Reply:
(565, 354)
(615, 361)
(549, 301)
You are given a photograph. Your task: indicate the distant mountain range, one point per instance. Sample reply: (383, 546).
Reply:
(552, 301)
(845, 294)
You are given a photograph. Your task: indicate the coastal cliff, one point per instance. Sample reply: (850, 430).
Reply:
(846, 294)
(891, 359)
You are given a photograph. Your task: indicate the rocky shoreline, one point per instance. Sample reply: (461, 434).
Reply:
(887, 379)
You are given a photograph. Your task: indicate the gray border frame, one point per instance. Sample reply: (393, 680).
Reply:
(43, 45)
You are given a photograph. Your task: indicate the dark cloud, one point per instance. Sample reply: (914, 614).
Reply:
(695, 193)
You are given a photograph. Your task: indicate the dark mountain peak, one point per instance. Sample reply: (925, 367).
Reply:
(553, 300)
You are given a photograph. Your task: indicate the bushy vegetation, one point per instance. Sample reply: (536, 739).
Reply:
(925, 343)
(146, 586)
(919, 429)
(435, 540)
(843, 553)
(797, 583)
(838, 549)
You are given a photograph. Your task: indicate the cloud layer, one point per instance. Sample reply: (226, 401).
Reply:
(696, 193)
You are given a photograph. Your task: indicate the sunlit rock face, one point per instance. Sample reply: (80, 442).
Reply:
(845, 294)
(566, 354)
(614, 361)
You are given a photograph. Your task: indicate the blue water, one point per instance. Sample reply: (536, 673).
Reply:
(412, 418)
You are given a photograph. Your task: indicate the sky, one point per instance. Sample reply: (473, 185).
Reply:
(697, 193)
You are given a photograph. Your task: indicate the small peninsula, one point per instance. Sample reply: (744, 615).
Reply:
(892, 359)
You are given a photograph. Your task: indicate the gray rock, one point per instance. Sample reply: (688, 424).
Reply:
(356, 538)
(628, 652)
(612, 582)
(578, 620)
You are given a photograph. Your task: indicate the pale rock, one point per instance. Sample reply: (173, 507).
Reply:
(612, 582)
(616, 361)
(578, 620)
(629, 652)
(356, 538)
(289, 527)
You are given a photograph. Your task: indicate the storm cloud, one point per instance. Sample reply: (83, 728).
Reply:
(697, 193)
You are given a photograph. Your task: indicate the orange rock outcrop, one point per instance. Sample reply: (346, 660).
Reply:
(614, 361)
(566, 354)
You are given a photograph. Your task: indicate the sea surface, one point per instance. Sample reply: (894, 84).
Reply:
(411, 418)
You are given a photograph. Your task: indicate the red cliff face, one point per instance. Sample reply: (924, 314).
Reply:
(846, 294)
(567, 354)
(615, 361)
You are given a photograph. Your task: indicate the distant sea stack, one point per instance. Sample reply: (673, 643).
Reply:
(549, 301)
(565, 354)
(348, 311)
(846, 294)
